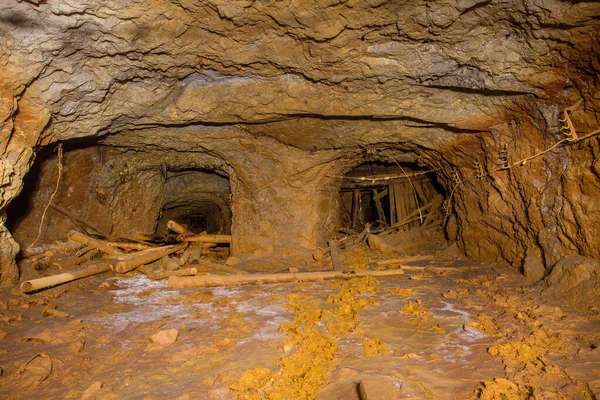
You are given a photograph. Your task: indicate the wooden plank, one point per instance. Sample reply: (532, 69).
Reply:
(399, 202)
(420, 192)
(435, 209)
(355, 206)
(392, 194)
(177, 282)
(380, 212)
(207, 238)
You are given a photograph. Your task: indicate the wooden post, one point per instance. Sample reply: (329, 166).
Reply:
(51, 249)
(392, 201)
(420, 192)
(209, 266)
(398, 201)
(72, 261)
(175, 227)
(41, 283)
(355, 206)
(207, 238)
(193, 252)
(380, 212)
(166, 274)
(94, 243)
(176, 282)
(148, 256)
(435, 208)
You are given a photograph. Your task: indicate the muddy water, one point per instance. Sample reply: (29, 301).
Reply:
(470, 331)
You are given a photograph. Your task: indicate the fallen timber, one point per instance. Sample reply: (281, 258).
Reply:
(166, 274)
(72, 261)
(51, 249)
(175, 227)
(205, 238)
(146, 256)
(49, 281)
(176, 282)
(93, 243)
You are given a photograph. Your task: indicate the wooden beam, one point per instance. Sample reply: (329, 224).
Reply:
(393, 218)
(177, 282)
(355, 206)
(207, 238)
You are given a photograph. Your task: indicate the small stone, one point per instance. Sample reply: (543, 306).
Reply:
(293, 270)
(378, 389)
(165, 337)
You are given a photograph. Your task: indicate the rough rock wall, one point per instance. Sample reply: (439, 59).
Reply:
(315, 76)
(533, 213)
(281, 197)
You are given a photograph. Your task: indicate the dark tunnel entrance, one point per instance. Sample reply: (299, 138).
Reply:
(198, 200)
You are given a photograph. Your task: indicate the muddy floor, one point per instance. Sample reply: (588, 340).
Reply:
(450, 328)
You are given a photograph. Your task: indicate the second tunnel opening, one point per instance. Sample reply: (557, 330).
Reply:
(198, 200)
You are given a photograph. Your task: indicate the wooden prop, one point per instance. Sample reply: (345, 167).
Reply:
(147, 256)
(207, 238)
(42, 263)
(206, 248)
(176, 282)
(209, 266)
(418, 185)
(130, 246)
(70, 262)
(401, 260)
(175, 227)
(429, 267)
(165, 274)
(53, 248)
(168, 263)
(435, 208)
(377, 200)
(392, 198)
(355, 206)
(336, 261)
(94, 243)
(193, 252)
(42, 283)
(77, 220)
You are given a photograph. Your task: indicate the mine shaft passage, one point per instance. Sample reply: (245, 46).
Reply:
(389, 195)
(197, 200)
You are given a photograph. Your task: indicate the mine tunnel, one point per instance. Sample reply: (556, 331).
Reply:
(299, 200)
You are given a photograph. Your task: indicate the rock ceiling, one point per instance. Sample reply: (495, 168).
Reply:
(109, 66)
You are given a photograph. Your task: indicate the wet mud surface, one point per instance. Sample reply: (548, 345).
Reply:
(454, 329)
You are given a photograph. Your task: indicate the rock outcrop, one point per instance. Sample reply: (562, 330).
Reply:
(283, 97)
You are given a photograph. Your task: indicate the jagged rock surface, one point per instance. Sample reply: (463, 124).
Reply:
(284, 95)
